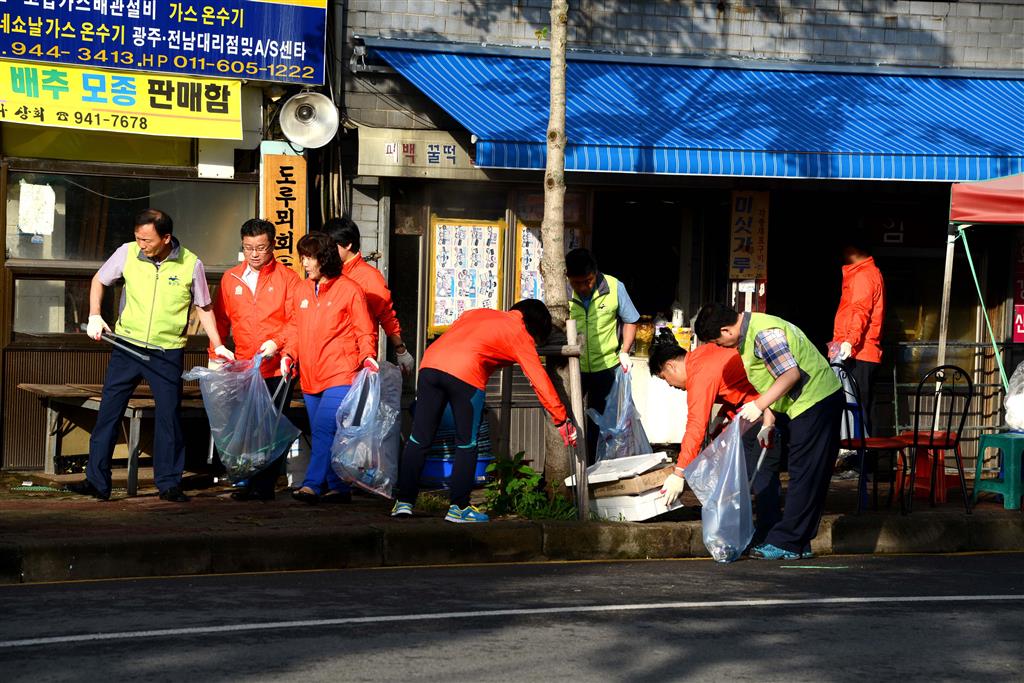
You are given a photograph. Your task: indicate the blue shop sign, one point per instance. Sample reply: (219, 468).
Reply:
(270, 40)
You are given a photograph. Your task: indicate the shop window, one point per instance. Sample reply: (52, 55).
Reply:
(57, 306)
(85, 218)
(37, 142)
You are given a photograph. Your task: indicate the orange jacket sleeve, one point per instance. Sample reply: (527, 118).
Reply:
(220, 312)
(862, 295)
(701, 392)
(365, 327)
(525, 353)
(292, 285)
(378, 300)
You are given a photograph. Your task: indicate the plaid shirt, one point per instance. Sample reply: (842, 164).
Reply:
(771, 347)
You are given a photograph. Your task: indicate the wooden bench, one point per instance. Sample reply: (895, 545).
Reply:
(57, 398)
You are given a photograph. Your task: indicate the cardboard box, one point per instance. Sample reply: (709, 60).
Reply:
(631, 486)
(621, 468)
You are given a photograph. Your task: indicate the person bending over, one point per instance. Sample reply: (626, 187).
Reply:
(454, 371)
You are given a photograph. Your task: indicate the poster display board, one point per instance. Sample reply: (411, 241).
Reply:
(529, 283)
(272, 40)
(465, 268)
(748, 239)
(119, 101)
(284, 204)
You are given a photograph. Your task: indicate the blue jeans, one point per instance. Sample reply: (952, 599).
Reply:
(124, 372)
(323, 410)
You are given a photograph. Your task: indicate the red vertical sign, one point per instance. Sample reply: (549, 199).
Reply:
(1018, 290)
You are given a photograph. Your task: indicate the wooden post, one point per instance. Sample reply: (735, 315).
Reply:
(579, 464)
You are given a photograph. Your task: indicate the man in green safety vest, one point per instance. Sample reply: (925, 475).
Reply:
(600, 306)
(796, 382)
(162, 281)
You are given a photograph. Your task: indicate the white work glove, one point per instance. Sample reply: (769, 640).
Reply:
(268, 348)
(750, 412)
(287, 366)
(213, 364)
(224, 352)
(96, 327)
(406, 362)
(845, 350)
(672, 488)
(765, 436)
(625, 361)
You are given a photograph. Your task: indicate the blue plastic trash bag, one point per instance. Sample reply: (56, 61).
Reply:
(620, 433)
(249, 432)
(718, 477)
(365, 450)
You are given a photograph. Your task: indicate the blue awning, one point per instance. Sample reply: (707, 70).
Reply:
(711, 120)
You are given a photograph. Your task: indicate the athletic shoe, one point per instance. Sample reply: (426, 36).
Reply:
(401, 509)
(767, 551)
(468, 515)
(807, 554)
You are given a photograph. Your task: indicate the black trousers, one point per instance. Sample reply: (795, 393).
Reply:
(596, 386)
(435, 391)
(265, 481)
(812, 445)
(767, 488)
(124, 373)
(863, 373)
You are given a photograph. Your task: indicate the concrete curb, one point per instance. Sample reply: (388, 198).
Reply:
(432, 542)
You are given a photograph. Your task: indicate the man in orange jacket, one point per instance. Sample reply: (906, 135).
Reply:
(858, 326)
(454, 371)
(345, 234)
(254, 302)
(712, 374)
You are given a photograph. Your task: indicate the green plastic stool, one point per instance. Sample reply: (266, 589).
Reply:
(1012, 447)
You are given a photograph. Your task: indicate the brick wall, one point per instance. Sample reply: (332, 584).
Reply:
(965, 34)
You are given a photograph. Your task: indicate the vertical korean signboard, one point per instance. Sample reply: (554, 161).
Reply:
(284, 204)
(748, 249)
(1018, 289)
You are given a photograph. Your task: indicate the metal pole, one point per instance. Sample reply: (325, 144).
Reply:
(576, 399)
(947, 284)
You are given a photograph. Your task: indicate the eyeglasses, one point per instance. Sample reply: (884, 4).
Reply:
(256, 250)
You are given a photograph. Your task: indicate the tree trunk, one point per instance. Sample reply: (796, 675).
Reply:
(556, 463)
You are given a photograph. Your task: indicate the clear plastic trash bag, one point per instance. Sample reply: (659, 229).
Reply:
(1014, 403)
(365, 452)
(718, 477)
(620, 433)
(247, 429)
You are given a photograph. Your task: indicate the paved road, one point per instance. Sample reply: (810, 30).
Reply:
(842, 618)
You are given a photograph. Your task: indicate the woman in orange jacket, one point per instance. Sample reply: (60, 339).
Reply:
(330, 336)
(454, 371)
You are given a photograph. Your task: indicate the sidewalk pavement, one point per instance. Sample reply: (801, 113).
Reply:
(59, 537)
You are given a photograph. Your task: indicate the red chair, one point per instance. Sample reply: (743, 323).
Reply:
(938, 428)
(853, 422)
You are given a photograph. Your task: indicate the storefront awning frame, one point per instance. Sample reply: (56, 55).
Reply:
(726, 118)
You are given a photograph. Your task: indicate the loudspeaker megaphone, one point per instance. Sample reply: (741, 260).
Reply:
(309, 119)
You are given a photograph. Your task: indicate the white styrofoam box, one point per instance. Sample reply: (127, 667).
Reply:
(662, 407)
(632, 508)
(621, 468)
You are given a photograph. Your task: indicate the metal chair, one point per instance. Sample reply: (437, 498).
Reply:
(853, 426)
(941, 404)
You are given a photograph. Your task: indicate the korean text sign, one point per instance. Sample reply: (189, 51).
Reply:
(284, 204)
(748, 237)
(270, 40)
(119, 101)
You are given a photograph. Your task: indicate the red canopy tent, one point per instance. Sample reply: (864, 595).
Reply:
(990, 201)
(999, 201)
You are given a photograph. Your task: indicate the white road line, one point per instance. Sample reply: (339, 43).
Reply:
(582, 609)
